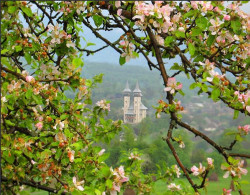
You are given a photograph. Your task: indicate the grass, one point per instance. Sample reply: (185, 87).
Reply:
(213, 188)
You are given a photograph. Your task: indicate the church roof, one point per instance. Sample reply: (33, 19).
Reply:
(131, 109)
(142, 107)
(137, 89)
(127, 88)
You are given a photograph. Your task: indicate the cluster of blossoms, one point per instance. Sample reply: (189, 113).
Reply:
(173, 187)
(172, 85)
(177, 171)
(118, 180)
(199, 171)
(209, 67)
(128, 49)
(234, 171)
(71, 155)
(146, 13)
(245, 129)
(227, 192)
(244, 99)
(49, 71)
(181, 144)
(204, 5)
(103, 104)
(61, 138)
(59, 36)
(67, 7)
(134, 156)
(78, 184)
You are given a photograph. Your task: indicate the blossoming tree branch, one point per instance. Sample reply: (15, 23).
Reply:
(49, 140)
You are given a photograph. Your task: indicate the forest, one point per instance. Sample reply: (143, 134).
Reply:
(62, 120)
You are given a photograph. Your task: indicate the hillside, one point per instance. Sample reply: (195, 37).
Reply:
(200, 111)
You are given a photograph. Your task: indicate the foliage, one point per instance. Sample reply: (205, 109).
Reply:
(49, 141)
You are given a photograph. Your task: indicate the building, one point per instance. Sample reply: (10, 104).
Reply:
(133, 110)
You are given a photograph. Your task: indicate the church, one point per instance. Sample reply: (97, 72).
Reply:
(134, 110)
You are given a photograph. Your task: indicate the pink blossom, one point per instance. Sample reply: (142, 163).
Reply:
(173, 187)
(101, 152)
(210, 162)
(118, 180)
(215, 25)
(245, 128)
(134, 156)
(227, 17)
(39, 125)
(226, 192)
(117, 4)
(216, 9)
(30, 79)
(71, 155)
(103, 104)
(119, 12)
(177, 171)
(197, 171)
(235, 170)
(172, 85)
(159, 39)
(78, 184)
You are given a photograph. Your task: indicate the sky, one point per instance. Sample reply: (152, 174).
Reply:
(109, 55)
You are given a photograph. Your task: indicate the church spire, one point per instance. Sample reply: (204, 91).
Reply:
(137, 90)
(127, 90)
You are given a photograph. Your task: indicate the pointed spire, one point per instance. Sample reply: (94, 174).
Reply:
(137, 89)
(127, 90)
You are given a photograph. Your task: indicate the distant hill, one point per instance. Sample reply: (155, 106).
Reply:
(201, 112)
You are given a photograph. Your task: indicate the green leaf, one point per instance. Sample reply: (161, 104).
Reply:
(89, 44)
(18, 48)
(201, 22)
(122, 60)
(12, 9)
(4, 51)
(191, 49)
(180, 34)
(24, 192)
(215, 93)
(77, 62)
(77, 145)
(196, 32)
(29, 93)
(168, 40)
(27, 11)
(98, 192)
(64, 116)
(105, 172)
(176, 66)
(76, 192)
(231, 159)
(236, 25)
(109, 183)
(210, 40)
(27, 57)
(204, 87)
(10, 159)
(188, 14)
(193, 85)
(98, 20)
(236, 114)
(8, 122)
(238, 138)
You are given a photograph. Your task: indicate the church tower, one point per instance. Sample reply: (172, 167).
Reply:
(126, 99)
(137, 103)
